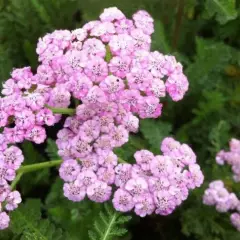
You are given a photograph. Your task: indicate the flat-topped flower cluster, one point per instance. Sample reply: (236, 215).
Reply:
(153, 184)
(157, 183)
(108, 73)
(217, 195)
(231, 157)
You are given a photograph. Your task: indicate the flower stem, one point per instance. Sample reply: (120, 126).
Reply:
(37, 166)
(67, 111)
(32, 168)
(16, 180)
(120, 160)
(108, 56)
(178, 24)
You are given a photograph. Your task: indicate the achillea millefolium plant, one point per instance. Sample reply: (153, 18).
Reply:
(111, 103)
(107, 70)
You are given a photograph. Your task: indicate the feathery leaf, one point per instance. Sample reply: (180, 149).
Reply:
(154, 131)
(26, 222)
(52, 150)
(225, 10)
(108, 225)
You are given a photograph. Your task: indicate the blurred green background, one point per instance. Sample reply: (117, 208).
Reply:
(205, 36)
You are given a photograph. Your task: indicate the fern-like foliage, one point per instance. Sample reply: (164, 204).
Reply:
(197, 226)
(5, 63)
(108, 225)
(27, 223)
(219, 136)
(33, 155)
(211, 59)
(213, 102)
(160, 41)
(225, 10)
(22, 22)
(154, 131)
(52, 150)
(127, 151)
(74, 217)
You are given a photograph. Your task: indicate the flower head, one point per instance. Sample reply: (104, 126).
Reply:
(122, 201)
(74, 191)
(99, 191)
(4, 220)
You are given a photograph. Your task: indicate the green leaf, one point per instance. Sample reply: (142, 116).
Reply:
(225, 10)
(32, 155)
(159, 38)
(219, 136)
(213, 103)
(154, 131)
(127, 151)
(108, 225)
(30, 53)
(40, 9)
(5, 64)
(74, 217)
(52, 150)
(211, 58)
(205, 223)
(26, 222)
(6, 234)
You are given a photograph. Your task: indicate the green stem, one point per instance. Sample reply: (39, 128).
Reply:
(121, 160)
(108, 56)
(32, 168)
(16, 180)
(110, 226)
(178, 23)
(67, 111)
(37, 166)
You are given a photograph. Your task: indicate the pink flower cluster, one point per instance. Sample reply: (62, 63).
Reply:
(217, 195)
(22, 109)
(11, 159)
(235, 220)
(157, 183)
(154, 184)
(108, 65)
(232, 158)
(107, 69)
(22, 117)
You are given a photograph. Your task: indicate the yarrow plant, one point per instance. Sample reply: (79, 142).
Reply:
(108, 73)
(217, 195)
